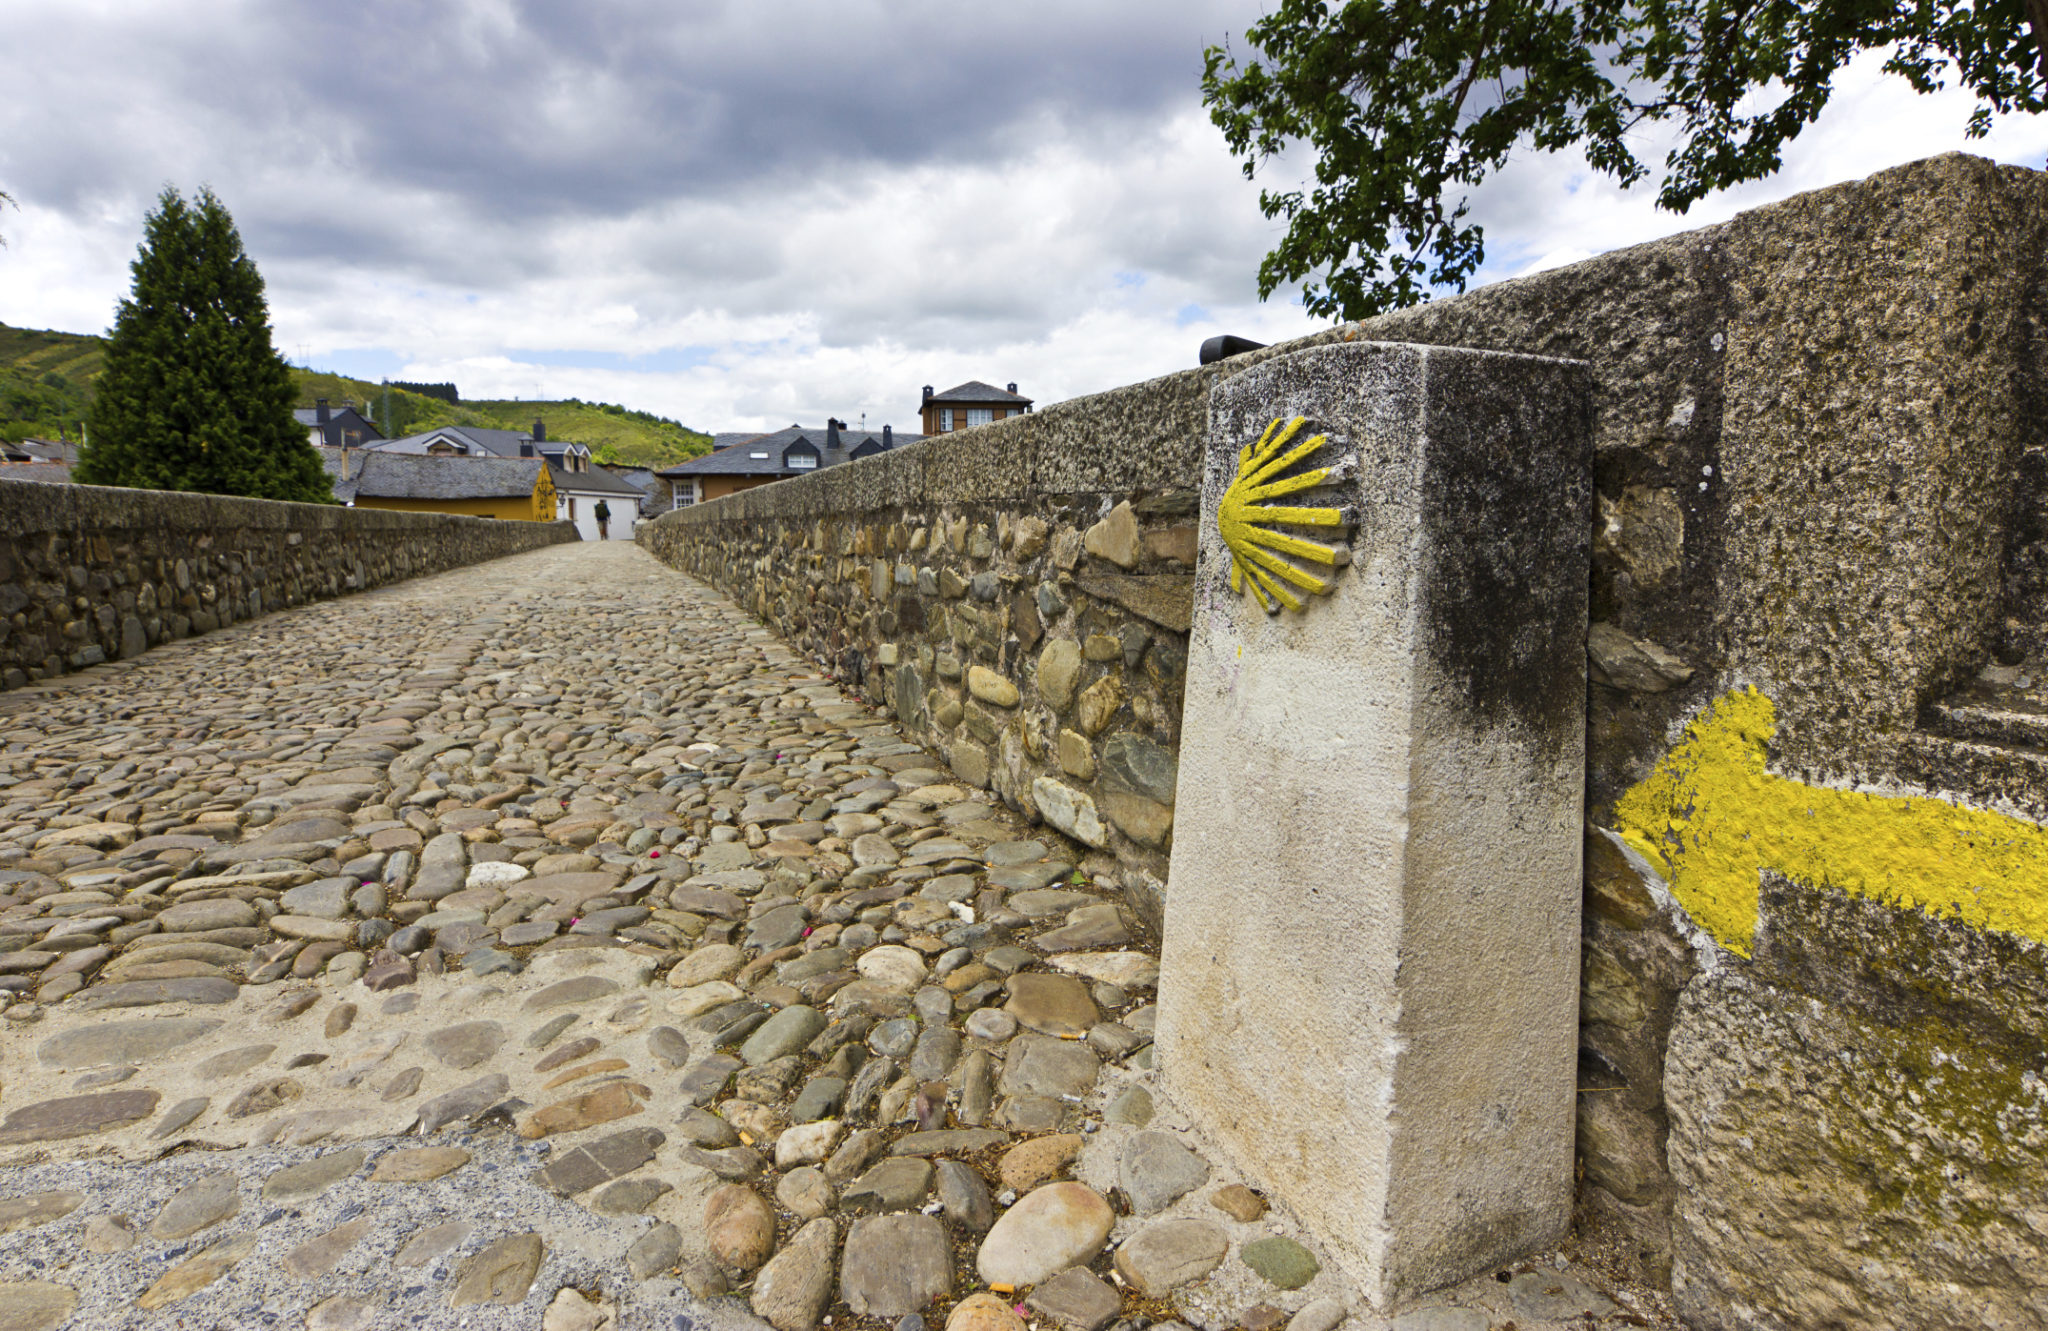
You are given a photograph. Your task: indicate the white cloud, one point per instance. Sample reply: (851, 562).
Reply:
(1545, 211)
(737, 216)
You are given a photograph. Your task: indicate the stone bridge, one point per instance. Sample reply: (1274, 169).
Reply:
(548, 940)
(1609, 888)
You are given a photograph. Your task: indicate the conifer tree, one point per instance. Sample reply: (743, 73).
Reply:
(194, 396)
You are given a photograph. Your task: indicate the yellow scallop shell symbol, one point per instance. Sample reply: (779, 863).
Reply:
(1246, 521)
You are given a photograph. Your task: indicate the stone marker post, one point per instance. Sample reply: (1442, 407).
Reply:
(1369, 988)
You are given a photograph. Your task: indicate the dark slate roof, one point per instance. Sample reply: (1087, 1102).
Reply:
(737, 457)
(595, 481)
(339, 419)
(377, 475)
(975, 391)
(54, 473)
(311, 415)
(498, 443)
(42, 450)
(490, 445)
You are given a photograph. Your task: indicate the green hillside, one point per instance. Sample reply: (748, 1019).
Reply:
(46, 383)
(613, 433)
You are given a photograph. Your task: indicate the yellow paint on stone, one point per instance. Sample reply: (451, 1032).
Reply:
(1710, 818)
(1245, 521)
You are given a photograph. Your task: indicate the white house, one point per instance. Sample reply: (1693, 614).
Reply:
(580, 487)
(580, 484)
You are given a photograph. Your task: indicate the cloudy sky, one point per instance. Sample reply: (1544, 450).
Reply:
(736, 214)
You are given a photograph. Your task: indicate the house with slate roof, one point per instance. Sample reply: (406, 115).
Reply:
(40, 450)
(38, 460)
(478, 441)
(580, 484)
(515, 489)
(971, 403)
(346, 428)
(741, 460)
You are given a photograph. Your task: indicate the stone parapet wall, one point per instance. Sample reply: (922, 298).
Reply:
(1819, 475)
(1018, 596)
(91, 573)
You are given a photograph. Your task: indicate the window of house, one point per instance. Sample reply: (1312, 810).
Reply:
(801, 462)
(945, 418)
(980, 415)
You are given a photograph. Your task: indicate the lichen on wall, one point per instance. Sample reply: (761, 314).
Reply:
(1711, 817)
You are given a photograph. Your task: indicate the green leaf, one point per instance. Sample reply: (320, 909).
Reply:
(1404, 106)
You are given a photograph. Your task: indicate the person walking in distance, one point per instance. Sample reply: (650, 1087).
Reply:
(604, 520)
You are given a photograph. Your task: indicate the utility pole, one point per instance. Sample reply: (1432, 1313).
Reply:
(385, 417)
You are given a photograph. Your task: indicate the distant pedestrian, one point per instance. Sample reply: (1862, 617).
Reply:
(604, 520)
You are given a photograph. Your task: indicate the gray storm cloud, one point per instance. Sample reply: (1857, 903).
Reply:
(734, 213)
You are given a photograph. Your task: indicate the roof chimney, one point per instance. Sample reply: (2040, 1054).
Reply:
(526, 449)
(540, 432)
(831, 433)
(1011, 389)
(927, 392)
(319, 411)
(888, 438)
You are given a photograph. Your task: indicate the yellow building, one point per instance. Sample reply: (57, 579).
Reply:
(515, 489)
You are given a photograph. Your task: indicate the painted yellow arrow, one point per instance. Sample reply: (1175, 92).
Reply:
(1710, 818)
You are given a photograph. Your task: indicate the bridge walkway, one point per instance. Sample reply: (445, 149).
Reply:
(437, 955)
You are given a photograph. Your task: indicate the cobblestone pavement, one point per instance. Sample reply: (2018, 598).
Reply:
(545, 944)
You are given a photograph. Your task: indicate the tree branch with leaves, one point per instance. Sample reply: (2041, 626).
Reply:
(1407, 105)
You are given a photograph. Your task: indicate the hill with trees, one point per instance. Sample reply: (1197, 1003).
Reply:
(47, 380)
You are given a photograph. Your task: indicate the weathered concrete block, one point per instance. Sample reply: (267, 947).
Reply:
(1394, 775)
